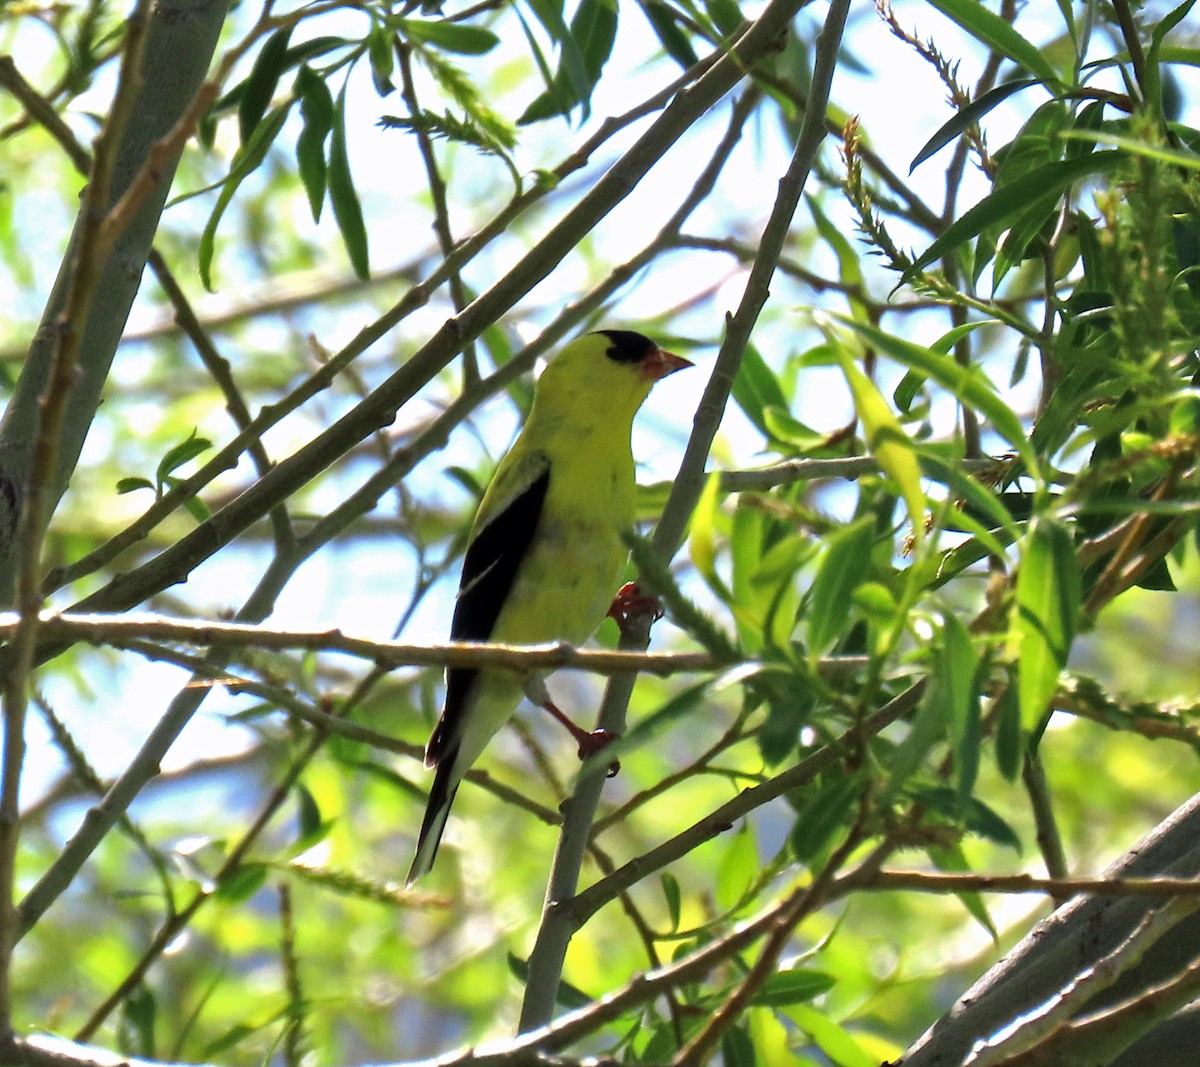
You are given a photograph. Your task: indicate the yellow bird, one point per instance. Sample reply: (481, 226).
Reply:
(546, 549)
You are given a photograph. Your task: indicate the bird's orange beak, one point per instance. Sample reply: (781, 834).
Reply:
(659, 364)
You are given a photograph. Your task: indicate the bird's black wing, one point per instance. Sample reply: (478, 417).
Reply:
(490, 567)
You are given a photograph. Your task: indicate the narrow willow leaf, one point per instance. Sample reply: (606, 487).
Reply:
(796, 986)
(737, 1050)
(967, 117)
(342, 194)
(967, 384)
(831, 1038)
(756, 388)
(179, 454)
(383, 59)
(674, 40)
(451, 36)
(1009, 747)
(961, 664)
(825, 812)
(994, 32)
(247, 160)
(550, 14)
(972, 813)
(887, 442)
(241, 883)
(737, 869)
(316, 109)
(673, 895)
(260, 86)
(1148, 149)
(1010, 199)
(726, 15)
(702, 538)
(646, 730)
(770, 1038)
(846, 563)
(849, 260)
(132, 485)
(981, 499)
(135, 1024)
(1045, 614)
(593, 32)
(951, 858)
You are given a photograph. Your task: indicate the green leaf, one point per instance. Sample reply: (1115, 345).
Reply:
(135, 1024)
(737, 869)
(951, 858)
(789, 712)
(193, 505)
(737, 1050)
(845, 564)
(961, 666)
(593, 30)
(383, 59)
(981, 499)
(674, 40)
(1009, 200)
(673, 895)
(726, 15)
(771, 1039)
(245, 163)
(180, 454)
(795, 986)
(887, 442)
(756, 388)
(240, 884)
(787, 432)
(995, 33)
(974, 815)
(702, 537)
(130, 485)
(826, 811)
(646, 730)
(849, 265)
(830, 1038)
(458, 37)
(1134, 146)
(308, 814)
(260, 86)
(965, 383)
(342, 195)
(1045, 614)
(571, 64)
(1010, 750)
(316, 108)
(967, 117)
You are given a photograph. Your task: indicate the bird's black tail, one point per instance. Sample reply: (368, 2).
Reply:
(441, 796)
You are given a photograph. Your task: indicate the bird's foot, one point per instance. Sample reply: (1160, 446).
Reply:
(589, 742)
(631, 603)
(598, 741)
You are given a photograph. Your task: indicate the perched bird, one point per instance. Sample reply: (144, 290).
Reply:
(546, 550)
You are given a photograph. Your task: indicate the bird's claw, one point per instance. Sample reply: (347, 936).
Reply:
(631, 603)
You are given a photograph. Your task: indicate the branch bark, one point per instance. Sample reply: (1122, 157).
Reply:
(1068, 944)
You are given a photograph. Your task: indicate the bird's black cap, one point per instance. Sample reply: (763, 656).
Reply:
(628, 346)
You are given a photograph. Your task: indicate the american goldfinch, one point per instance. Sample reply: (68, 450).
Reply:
(546, 549)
